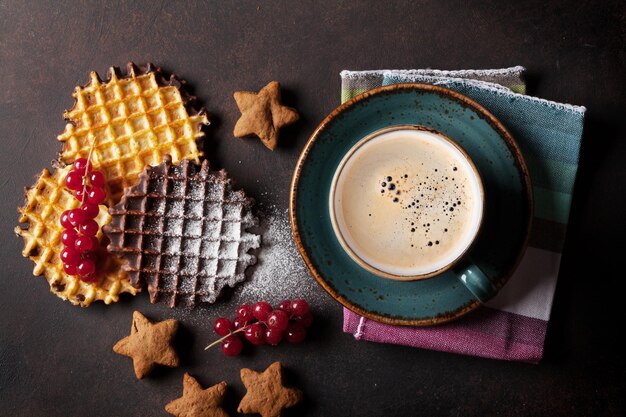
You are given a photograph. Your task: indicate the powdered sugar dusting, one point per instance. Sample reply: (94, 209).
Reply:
(280, 272)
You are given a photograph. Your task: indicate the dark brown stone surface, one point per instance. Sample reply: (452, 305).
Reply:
(56, 359)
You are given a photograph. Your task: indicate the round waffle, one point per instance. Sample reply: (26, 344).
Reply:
(183, 230)
(41, 231)
(135, 119)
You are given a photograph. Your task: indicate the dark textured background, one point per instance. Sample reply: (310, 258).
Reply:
(56, 359)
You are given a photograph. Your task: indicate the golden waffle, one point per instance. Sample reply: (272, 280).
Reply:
(183, 230)
(41, 231)
(135, 119)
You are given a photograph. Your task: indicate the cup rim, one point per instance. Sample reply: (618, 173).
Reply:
(340, 237)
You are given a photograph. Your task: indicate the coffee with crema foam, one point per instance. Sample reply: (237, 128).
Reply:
(406, 203)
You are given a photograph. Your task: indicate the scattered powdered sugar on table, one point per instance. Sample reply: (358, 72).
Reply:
(280, 272)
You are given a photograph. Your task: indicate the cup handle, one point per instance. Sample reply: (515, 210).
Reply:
(476, 281)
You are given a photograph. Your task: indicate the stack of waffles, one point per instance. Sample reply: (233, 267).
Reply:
(125, 125)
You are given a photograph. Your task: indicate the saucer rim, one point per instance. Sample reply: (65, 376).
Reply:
(489, 118)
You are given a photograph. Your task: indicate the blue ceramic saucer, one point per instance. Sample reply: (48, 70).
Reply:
(507, 217)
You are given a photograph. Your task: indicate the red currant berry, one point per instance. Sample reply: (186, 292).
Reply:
(296, 333)
(86, 267)
(69, 269)
(93, 256)
(80, 193)
(255, 334)
(238, 323)
(65, 220)
(285, 306)
(76, 217)
(261, 310)
(245, 312)
(85, 243)
(306, 320)
(89, 227)
(223, 326)
(81, 164)
(273, 336)
(299, 307)
(91, 210)
(97, 179)
(68, 236)
(232, 345)
(70, 256)
(278, 320)
(90, 278)
(74, 181)
(96, 195)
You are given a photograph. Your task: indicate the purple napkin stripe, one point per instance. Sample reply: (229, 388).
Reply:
(478, 334)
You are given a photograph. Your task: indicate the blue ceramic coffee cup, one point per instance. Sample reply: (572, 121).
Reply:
(407, 203)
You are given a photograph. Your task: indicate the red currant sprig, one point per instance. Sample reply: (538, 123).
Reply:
(261, 324)
(79, 237)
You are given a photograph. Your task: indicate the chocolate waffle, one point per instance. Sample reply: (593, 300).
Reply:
(183, 230)
(41, 231)
(135, 119)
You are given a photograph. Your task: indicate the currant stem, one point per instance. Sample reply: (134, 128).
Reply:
(242, 329)
(93, 145)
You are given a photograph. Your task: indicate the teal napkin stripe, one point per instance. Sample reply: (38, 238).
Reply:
(551, 205)
(558, 175)
(548, 133)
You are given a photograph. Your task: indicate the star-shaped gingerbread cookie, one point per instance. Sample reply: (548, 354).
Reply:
(198, 402)
(266, 394)
(149, 344)
(262, 114)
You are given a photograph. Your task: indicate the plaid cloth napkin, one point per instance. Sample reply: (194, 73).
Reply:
(512, 326)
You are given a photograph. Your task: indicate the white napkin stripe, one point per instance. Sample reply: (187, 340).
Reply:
(518, 69)
(530, 290)
(360, 329)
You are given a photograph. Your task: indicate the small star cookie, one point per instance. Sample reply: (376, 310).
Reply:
(149, 344)
(262, 114)
(198, 402)
(266, 394)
